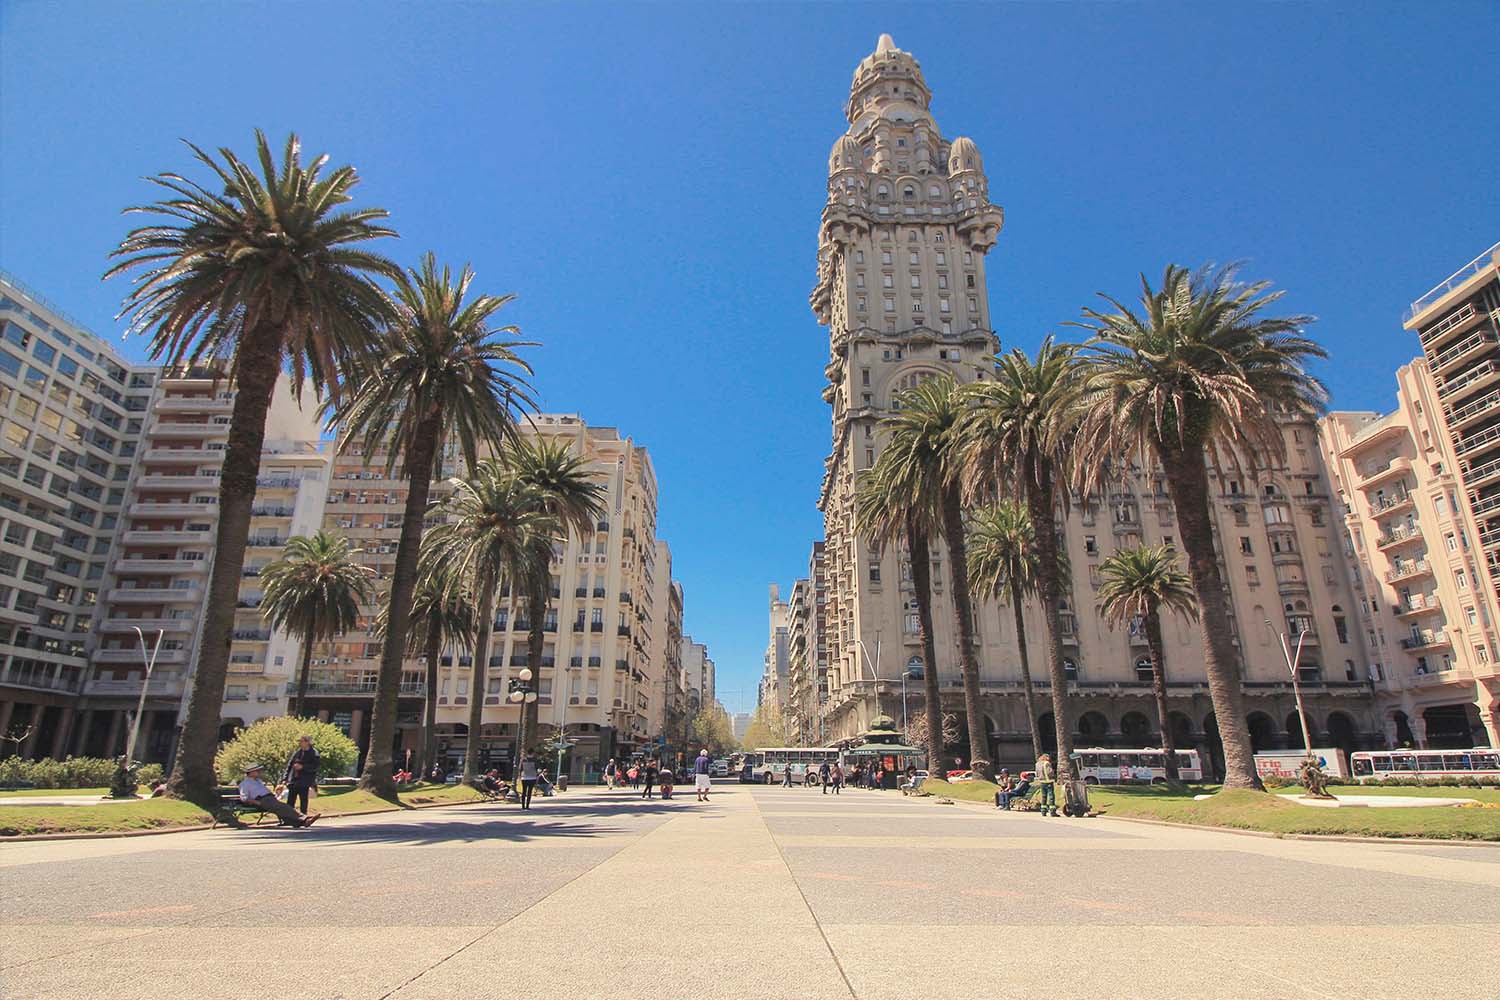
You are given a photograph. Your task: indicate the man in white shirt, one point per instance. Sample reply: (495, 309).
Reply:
(254, 791)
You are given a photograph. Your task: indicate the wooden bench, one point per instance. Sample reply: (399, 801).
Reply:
(231, 805)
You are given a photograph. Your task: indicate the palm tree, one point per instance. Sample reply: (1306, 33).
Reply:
(889, 515)
(1140, 583)
(494, 535)
(569, 492)
(923, 457)
(442, 616)
(264, 271)
(1200, 374)
(314, 592)
(1018, 441)
(1003, 565)
(444, 374)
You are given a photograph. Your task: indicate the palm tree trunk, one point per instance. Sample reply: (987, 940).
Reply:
(379, 766)
(1187, 481)
(536, 639)
(429, 715)
(1039, 501)
(921, 580)
(1026, 689)
(1152, 626)
(476, 687)
(302, 675)
(963, 611)
(259, 363)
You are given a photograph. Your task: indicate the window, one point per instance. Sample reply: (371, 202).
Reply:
(44, 352)
(1245, 548)
(1070, 668)
(874, 572)
(888, 281)
(1450, 541)
(1091, 545)
(885, 257)
(890, 304)
(1462, 579)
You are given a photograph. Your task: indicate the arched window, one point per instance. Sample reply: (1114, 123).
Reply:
(914, 668)
(1143, 671)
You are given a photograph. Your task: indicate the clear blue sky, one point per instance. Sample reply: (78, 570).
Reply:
(648, 181)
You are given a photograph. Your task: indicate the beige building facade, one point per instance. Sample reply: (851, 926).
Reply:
(807, 650)
(901, 287)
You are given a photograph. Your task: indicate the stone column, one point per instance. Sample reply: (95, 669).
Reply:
(112, 746)
(144, 736)
(60, 738)
(29, 745)
(1489, 717)
(81, 732)
(6, 710)
(1418, 723)
(1389, 726)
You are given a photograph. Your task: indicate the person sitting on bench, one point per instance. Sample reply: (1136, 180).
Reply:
(253, 791)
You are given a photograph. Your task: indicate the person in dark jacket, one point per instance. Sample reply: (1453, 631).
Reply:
(301, 773)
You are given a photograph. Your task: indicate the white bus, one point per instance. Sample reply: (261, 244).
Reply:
(1378, 765)
(771, 763)
(1142, 767)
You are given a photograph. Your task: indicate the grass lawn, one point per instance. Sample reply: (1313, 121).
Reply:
(1243, 810)
(155, 814)
(24, 793)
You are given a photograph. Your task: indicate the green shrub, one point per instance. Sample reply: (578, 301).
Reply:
(148, 774)
(271, 742)
(1273, 781)
(71, 772)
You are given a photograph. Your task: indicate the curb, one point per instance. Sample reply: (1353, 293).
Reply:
(1335, 838)
(111, 835)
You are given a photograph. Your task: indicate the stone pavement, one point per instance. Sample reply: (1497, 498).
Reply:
(762, 893)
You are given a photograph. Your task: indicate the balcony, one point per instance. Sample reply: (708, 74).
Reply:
(1481, 375)
(161, 566)
(167, 537)
(148, 625)
(1486, 438)
(595, 661)
(1490, 258)
(1461, 416)
(185, 481)
(1478, 475)
(599, 592)
(1420, 604)
(1397, 467)
(193, 455)
(625, 597)
(1388, 505)
(367, 688)
(596, 626)
(1456, 322)
(622, 630)
(581, 592)
(145, 508)
(194, 405)
(267, 542)
(576, 661)
(1399, 535)
(54, 678)
(1455, 674)
(262, 510)
(155, 595)
(177, 428)
(1426, 639)
(251, 635)
(132, 655)
(168, 685)
(1467, 348)
(622, 664)
(1485, 505)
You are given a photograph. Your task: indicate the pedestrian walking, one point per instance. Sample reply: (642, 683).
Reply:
(609, 774)
(702, 775)
(1046, 780)
(635, 775)
(824, 772)
(648, 777)
(529, 775)
(301, 775)
(786, 776)
(836, 778)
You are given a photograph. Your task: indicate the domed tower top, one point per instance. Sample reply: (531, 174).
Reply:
(887, 77)
(846, 155)
(964, 155)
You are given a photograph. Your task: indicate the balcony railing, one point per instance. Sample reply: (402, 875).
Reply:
(1425, 639)
(1490, 258)
(1458, 384)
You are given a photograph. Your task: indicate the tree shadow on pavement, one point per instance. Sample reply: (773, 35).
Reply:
(434, 832)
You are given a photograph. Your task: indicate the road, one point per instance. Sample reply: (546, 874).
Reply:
(763, 893)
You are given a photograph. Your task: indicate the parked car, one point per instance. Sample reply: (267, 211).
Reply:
(721, 768)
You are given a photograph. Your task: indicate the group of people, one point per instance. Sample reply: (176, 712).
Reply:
(1044, 778)
(650, 773)
(297, 783)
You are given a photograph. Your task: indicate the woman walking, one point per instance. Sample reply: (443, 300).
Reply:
(528, 779)
(648, 777)
(836, 777)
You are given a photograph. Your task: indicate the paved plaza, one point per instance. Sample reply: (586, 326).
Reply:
(762, 893)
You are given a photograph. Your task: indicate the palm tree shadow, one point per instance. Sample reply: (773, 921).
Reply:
(437, 833)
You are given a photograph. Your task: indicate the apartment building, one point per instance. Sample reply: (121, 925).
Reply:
(668, 711)
(72, 413)
(697, 674)
(902, 289)
(1421, 489)
(807, 650)
(776, 664)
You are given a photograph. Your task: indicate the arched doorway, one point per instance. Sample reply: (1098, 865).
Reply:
(1046, 730)
(1404, 737)
(1262, 731)
(1213, 748)
(1135, 729)
(1294, 732)
(1182, 729)
(1341, 732)
(1093, 728)
(1448, 727)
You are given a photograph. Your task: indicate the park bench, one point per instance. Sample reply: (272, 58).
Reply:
(231, 805)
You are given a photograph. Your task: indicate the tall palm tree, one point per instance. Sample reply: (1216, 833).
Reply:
(495, 534)
(1003, 565)
(314, 592)
(442, 616)
(1200, 374)
(569, 492)
(924, 456)
(891, 515)
(444, 374)
(1018, 441)
(1139, 584)
(259, 269)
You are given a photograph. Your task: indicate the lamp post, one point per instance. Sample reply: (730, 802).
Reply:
(521, 695)
(122, 787)
(875, 670)
(1291, 666)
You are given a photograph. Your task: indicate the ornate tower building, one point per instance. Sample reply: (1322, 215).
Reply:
(901, 288)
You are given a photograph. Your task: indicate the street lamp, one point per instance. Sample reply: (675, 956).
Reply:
(1292, 665)
(122, 787)
(521, 694)
(875, 670)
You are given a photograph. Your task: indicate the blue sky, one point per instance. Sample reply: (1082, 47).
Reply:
(648, 180)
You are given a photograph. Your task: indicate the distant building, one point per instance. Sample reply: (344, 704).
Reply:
(776, 663)
(741, 722)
